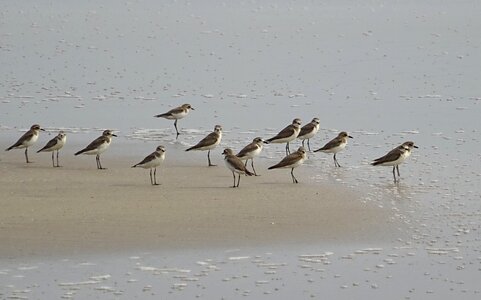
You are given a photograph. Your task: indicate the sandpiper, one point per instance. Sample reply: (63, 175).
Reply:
(250, 151)
(395, 157)
(26, 140)
(308, 131)
(98, 146)
(335, 145)
(209, 142)
(234, 164)
(55, 144)
(287, 134)
(292, 161)
(176, 114)
(152, 161)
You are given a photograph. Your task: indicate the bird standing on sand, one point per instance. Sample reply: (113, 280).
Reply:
(287, 134)
(26, 140)
(395, 157)
(308, 131)
(98, 146)
(250, 151)
(55, 144)
(292, 161)
(209, 142)
(234, 164)
(336, 145)
(152, 161)
(176, 114)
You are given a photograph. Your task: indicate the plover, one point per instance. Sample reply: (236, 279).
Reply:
(287, 134)
(152, 161)
(209, 142)
(335, 145)
(292, 161)
(55, 144)
(395, 157)
(26, 140)
(250, 151)
(176, 114)
(234, 164)
(308, 131)
(98, 146)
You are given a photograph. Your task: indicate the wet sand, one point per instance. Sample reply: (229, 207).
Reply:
(78, 209)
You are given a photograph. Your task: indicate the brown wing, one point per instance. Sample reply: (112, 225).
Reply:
(288, 160)
(210, 139)
(286, 132)
(25, 137)
(93, 145)
(249, 148)
(148, 158)
(306, 129)
(391, 156)
(50, 144)
(176, 110)
(335, 142)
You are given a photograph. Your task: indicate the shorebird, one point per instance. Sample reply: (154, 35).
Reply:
(209, 142)
(308, 131)
(250, 151)
(292, 161)
(26, 140)
(176, 114)
(335, 145)
(98, 146)
(152, 161)
(395, 157)
(234, 164)
(287, 134)
(55, 144)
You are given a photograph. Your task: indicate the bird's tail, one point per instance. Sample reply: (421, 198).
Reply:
(161, 115)
(134, 166)
(249, 173)
(9, 148)
(80, 152)
(272, 167)
(375, 163)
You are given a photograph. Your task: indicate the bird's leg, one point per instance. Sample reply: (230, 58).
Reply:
(208, 158)
(304, 141)
(288, 150)
(238, 181)
(151, 181)
(308, 145)
(53, 161)
(397, 168)
(336, 163)
(294, 179)
(176, 130)
(252, 164)
(233, 175)
(394, 173)
(58, 164)
(26, 155)
(155, 176)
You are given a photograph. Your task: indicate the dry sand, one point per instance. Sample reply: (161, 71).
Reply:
(78, 209)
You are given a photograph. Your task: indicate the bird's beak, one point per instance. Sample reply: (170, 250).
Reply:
(42, 129)
(114, 135)
(265, 142)
(192, 108)
(415, 146)
(350, 137)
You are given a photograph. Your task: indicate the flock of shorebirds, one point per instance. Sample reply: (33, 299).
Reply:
(237, 163)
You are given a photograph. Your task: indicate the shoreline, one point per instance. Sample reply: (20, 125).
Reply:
(77, 209)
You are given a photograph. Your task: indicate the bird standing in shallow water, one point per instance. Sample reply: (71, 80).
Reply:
(308, 131)
(395, 157)
(176, 114)
(336, 145)
(287, 134)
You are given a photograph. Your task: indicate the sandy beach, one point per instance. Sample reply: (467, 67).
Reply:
(78, 209)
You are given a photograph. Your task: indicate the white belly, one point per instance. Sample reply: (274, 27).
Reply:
(230, 167)
(177, 116)
(28, 143)
(335, 149)
(252, 154)
(398, 161)
(309, 135)
(153, 163)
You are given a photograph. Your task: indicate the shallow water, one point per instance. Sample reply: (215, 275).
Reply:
(386, 72)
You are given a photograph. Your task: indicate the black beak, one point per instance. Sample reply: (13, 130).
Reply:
(415, 146)
(42, 129)
(350, 137)
(114, 135)
(192, 108)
